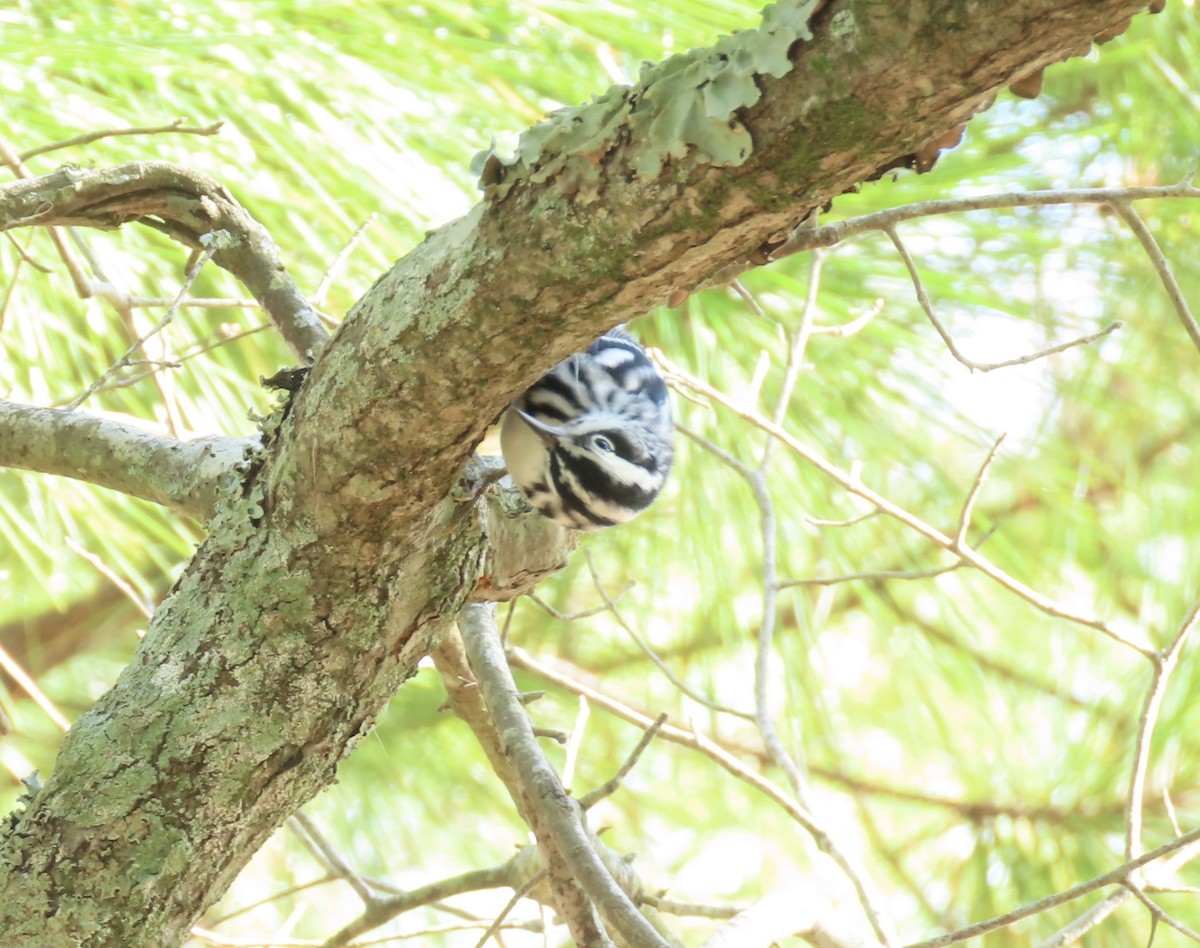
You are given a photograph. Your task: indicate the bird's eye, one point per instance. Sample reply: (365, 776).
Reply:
(601, 443)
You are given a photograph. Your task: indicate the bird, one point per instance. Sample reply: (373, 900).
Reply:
(590, 443)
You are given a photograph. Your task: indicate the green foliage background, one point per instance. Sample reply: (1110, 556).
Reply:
(975, 752)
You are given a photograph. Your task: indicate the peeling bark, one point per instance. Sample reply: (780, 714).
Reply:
(345, 559)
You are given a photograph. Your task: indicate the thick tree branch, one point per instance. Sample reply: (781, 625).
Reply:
(185, 205)
(184, 475)
(346, 559)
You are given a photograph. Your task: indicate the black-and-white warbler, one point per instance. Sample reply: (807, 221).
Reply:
(590, 442)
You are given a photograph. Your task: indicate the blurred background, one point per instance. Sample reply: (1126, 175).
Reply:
(970, 751)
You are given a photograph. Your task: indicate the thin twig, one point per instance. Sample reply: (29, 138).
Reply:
(381, 910)
(696, 909)
(1172, 817)
(583, 614)
(1161, 267)
(856, 325)
(106, 288)
(927, 306)
(1080, 926)
(317, 299)
(969, 810)
(1158, 913)
(177, 128)
(611, 605)
(796, 350)
(885, 574)
(964, 520)
(519, 893)
(187, 206)
(855, 486)
(609, 787)
(748, 298)
(192, 302)
(194, 271)
(108, 573)
(850, 522)
(1146, 724)
(23, 253)
(192, 353)
(465, 696)
(756, 480)
(330, 858)
(22, 678)
(1112, 877)
(827, 235)
(281, 894)
(83, 285)
(221, 942)
(772, 919)
(574, 743)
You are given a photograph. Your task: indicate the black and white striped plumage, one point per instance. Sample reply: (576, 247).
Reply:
(590, 442)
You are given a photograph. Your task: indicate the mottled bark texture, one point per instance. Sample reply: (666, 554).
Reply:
(183, 475)
(343, 560)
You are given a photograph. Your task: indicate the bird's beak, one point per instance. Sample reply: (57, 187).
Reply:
(548, 433)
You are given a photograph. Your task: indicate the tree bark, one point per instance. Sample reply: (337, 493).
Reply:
(344, 557)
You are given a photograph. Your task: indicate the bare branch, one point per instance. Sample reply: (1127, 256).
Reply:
(697, 909)
(177, 128)
(611, 605)
(312, 837)
(797, 348)
(1146, 724)
(884, 574)
(189, 354)
(855, 486)
(829, 234)
(1112, 877)
(318, 296)
(582, 614)
(1080, 926)
(748, 298)
(466, 699)
(856, 325)
(127, 359)
(267, 900)
(1161, 267)
(1158, 913)
(23, 255)
(143, 605)
(609, 787)
(518, 893)
(183, 204)
(964, 520)
(574, 743)
(849, 522)
(560, 813)
(183, 475)
(927, 306)
(22, 678)
(726, 754)
(379, 911)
